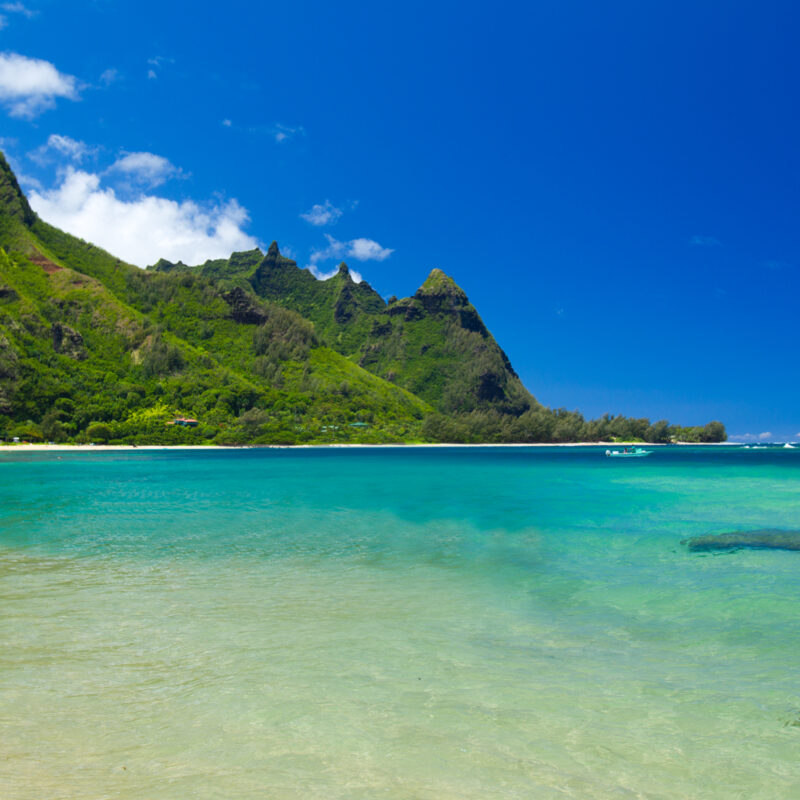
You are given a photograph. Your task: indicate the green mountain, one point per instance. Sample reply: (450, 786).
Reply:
(253, 348)
(434, 344)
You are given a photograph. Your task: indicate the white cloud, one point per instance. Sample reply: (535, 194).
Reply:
(705, 241)
(322, 214)
(57, 146)
(753, 437)
(27, 181)
(109, 76)
(146, 228)
(14, 8)
(279, 132)
(29, 86)
(359, 249)
(156, 63)
(19, 8)
(335, 249)
(72, 148)
(146, 169)
(367, 250)
(283, 133)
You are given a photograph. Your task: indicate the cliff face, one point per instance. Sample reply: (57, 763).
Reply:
(13, 203)
(436, 344)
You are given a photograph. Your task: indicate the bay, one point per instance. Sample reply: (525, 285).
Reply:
(397, 623)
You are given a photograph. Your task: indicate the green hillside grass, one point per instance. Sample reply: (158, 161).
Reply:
(181, 353)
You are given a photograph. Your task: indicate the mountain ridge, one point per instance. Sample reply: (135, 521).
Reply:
(428, 342)
(255, 348)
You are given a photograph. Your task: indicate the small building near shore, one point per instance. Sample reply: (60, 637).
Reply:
(184, 422)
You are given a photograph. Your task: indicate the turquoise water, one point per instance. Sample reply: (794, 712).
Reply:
(397, 623)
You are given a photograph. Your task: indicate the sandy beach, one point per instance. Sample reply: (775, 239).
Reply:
(67, 448)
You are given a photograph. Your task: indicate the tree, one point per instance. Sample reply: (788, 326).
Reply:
(98, 431)
(252, 421)
(659, 432)
(52, 429)
(713, 432)
(161, 358)
(27, 432)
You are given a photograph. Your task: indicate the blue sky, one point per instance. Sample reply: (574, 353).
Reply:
(614, 184)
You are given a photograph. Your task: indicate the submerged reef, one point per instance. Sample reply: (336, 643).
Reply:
(761, 539)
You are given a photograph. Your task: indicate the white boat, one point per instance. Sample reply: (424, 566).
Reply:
(788, 446)
(633, 452)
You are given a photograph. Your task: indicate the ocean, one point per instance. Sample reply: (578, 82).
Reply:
(396, 623)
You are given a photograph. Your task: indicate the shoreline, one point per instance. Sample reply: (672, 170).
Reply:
(88, 448)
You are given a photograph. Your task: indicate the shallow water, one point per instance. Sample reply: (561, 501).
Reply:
(397, 623)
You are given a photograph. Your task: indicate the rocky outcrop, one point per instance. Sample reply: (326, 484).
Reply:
(381, 328)
(398, 308)
(766, 539)
(490, 387)
(471, 321)
(7, 294)
(408, 308)
(345, 306)
(67, 342)
(413, 312)
(245, 308)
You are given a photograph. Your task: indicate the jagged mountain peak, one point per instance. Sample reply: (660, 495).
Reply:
(272, 258)
(441, 286)
(441, 290)
(163, 265)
